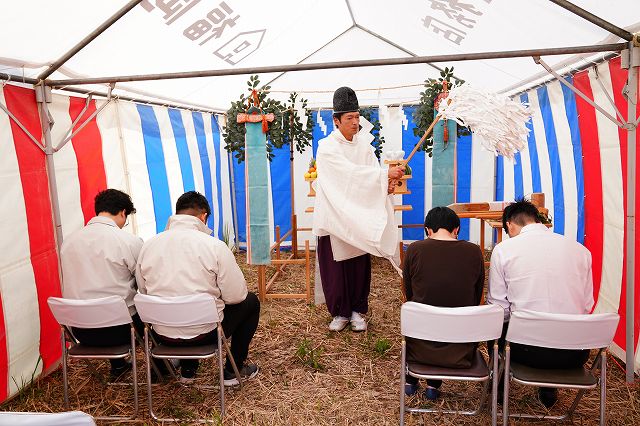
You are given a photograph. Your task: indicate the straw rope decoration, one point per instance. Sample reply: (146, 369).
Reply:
(501, 122)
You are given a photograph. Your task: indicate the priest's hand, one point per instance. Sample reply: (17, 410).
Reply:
(391, 186)
(396, 172)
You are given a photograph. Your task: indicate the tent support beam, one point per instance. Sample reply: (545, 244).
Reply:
(43, 96)
(606, 93)
(345, 64)
(578, 92)
(84, 123)
(24, 129)
(60, 144)
(33, 81)
(88, 39)
(632, 97)
(596, 20)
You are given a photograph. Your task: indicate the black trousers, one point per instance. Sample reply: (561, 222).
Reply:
(109, 336)
(240, 323)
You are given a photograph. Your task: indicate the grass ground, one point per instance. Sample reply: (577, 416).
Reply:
(312, 376)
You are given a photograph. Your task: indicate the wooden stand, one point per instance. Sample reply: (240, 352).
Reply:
(264, 287)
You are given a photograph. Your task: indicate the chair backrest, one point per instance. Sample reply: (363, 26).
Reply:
(90, 313)
(451, 325)
(562, 331)
(177, 311)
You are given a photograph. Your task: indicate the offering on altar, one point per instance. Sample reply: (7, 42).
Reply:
(311, 173)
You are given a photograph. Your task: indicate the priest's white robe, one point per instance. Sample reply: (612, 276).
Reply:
(352, 205)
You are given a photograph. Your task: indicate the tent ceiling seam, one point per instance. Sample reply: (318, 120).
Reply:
(88, 39)
(353, 19)
(315, 51)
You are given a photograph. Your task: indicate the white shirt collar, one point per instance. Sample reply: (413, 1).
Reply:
(533, 227)
(186, 221)
(103, 220)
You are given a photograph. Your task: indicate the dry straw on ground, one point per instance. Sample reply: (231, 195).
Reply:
(312, 376)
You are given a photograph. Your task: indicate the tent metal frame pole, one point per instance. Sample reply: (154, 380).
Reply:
(27, 80)
(88, 39)
(632, 97)
(43, 96)
(84, 123)
(345, 64)
(596, 20)
(73, 124)
(579, 93)
(24, 129)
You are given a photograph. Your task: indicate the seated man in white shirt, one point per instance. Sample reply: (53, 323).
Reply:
(539, 270)
(185, 259)
(99, 260)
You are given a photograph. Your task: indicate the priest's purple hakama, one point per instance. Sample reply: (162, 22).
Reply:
(346, 283)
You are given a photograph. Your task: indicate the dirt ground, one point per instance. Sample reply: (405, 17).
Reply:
(309, 375)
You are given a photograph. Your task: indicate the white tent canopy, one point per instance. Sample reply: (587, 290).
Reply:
(169, 36)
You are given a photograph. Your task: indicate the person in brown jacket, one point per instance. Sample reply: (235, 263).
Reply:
(446, 272)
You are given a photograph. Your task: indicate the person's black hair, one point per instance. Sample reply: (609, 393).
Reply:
(113, 202)
(338, 115)
(193, 202)
(520, 212)
(441, 217)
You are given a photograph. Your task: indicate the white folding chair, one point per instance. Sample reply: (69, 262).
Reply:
(559, 331)
(70, 418)
(94, 313)
(451, 325)
(182, 311)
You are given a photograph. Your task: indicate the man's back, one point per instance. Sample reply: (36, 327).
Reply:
(542, 271)
(185, 260)
(99, 260)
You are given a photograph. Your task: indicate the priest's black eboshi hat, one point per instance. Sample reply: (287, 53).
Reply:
(345, 100)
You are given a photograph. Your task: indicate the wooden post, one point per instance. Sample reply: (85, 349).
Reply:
(294, 235)
(482, 238)
(308, 269)
(277, 241)
(262, 278)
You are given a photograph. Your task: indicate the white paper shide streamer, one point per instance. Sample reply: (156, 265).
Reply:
(501, 122)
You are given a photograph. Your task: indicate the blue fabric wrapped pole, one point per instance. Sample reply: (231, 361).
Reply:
(443, 177)
(257, 190)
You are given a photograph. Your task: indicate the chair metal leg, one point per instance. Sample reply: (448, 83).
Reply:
(134, 373)
(505, 397)
(603, 388)
(494, 386)
(403, 359)
(230, 356)
(221, 372)
(65, 378)
(147, 360)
